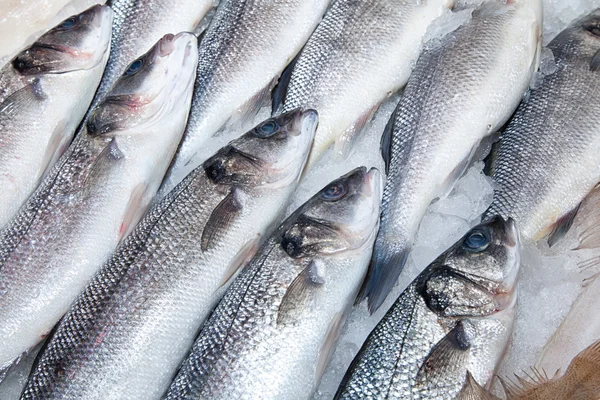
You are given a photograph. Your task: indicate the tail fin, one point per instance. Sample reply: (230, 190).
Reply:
(387, 263)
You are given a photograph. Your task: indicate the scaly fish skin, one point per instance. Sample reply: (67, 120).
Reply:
(139, 24)
(547, 160)
(461, 90)
(44, 93)
(134, 323)
(97, 191)
(244, 50)
(274, 331)
(360, 53)
(456, 317)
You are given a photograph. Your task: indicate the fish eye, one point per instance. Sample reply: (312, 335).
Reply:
(68, 23)
(476, 241)
(134, 67)
(267, 128)
(335, 191)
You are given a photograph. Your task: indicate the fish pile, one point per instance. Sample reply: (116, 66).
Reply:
(190, 211)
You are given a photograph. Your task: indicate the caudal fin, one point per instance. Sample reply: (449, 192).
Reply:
(387, 262)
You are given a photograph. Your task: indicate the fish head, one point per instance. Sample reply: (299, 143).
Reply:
(78, 43)
(271, 155)
(343, 216)
(477, 276)
(151, 89)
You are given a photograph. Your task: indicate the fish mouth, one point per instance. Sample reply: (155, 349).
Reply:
(310, 120)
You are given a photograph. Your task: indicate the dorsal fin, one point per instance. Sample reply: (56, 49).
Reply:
(386, 141)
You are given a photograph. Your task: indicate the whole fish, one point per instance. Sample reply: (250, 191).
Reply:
(96, 192)
(139, 24)
(362, 52)
(44, 93)
(134, 323)
(273, 332)
(452, 321)
(548, 157)
(242, 53)
(462, 89)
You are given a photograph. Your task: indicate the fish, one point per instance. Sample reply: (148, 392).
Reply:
(464, 87)
(272, 334)
(242, 53)
(455, 318)
(361, 50)
(134, 323)
(547, 158)
(44, 92)
(94, 195)
(581, 381)
(139, 24)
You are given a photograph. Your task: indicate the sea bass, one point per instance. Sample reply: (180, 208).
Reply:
(134, 323)
(139, 24)
(362, 52)
(44, 93)
(452, 321)
(242, 53)
(273, 332)
(462, 89)
(548, 157)
(96, 192)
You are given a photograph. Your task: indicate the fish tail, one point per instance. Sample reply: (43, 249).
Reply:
(387, 262)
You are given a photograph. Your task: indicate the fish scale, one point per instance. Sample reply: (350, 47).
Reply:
(547, 159)
(133, 324)
(464, 87)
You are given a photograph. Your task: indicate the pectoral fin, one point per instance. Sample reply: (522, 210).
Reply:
(22, 98)
(221, 218)
(299, 294)
(474, 391)
(101, 168)
(562, 226)
(139, 200)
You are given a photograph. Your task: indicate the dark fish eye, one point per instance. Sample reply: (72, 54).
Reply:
(215, 171)
(134, 67)
(335, 192)
(476, 241)
(68, 24)
(267, 128)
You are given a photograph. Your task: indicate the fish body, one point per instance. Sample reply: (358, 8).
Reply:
(272, 334)
(462, 89)
(453, 320)
(242, 53)
(362, 52)
(134, 323)
(94, 195)
(44, 93)
(139, 24)
(547, 160)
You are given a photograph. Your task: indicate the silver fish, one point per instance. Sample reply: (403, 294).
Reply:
(97, 191)
(242, 53)
(362, 52)
(462, 89)
(44, 93)
(135, 322)
(274, 331)
(452, 321)
(548, 157)
(139, 24)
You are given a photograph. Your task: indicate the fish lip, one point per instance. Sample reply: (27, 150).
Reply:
(513, 237)
(374, 181)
